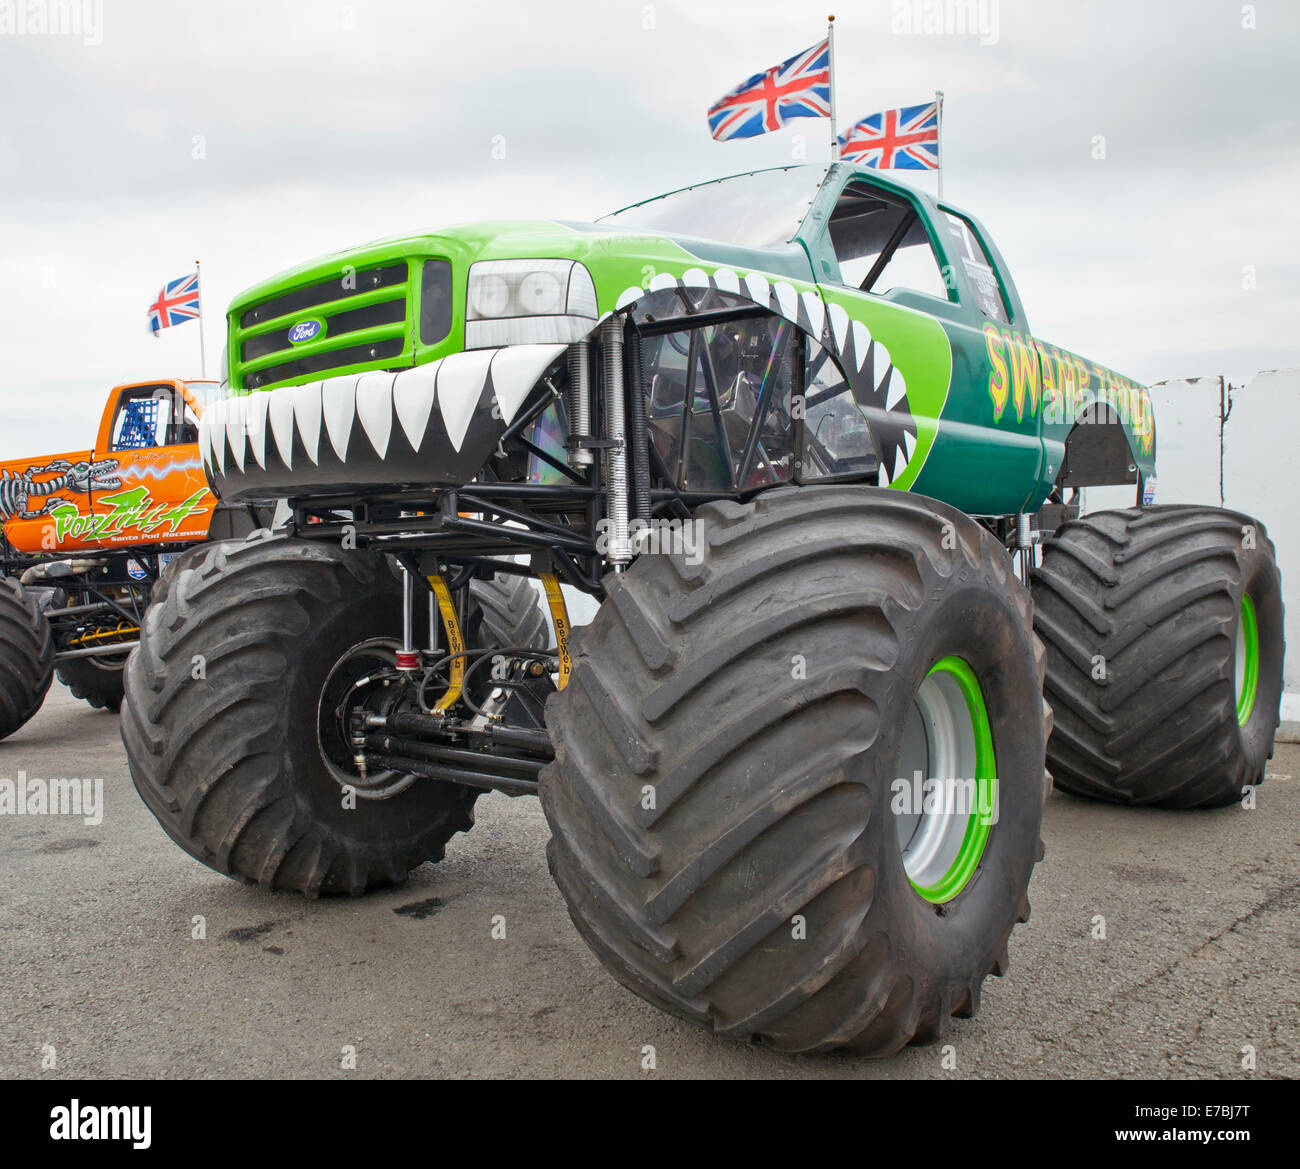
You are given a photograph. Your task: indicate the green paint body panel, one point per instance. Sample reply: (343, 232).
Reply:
(993, 406)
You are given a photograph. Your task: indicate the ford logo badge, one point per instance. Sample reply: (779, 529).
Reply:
(303, 331)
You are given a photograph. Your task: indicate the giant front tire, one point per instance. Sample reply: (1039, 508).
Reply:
(236, 673)
(730, 832)
(26, 656)
(1164, 636)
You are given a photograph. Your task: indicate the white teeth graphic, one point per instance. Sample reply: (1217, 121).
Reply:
(279, 411)
(787, 300)
(695, 278)
(883, 361)
(662, 281)
(306, 412)
(255, 409)
(338, 400)
(882, 479)
(897, 390)
(910, 443)
(812, 304)
(205, 435)
(727, 280)
(760, 291)
(210, 427)
(237, 428)
(839, 325)
(218, 424)
(413, 394)
(629, 295)
(460, 385)
(900, 465)
(375, 409)
(861, 342)
(515, 371)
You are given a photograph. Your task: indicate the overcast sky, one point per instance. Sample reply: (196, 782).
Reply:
(257, 135)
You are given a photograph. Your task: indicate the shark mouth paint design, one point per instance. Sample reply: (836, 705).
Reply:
(877, 384)
(435, 424)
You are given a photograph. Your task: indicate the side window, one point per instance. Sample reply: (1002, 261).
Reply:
(144, 419)
(836, 439)
(965, 248)
(882, 245)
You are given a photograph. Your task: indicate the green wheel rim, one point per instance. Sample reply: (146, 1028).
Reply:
(1247, 653)
(947, 738)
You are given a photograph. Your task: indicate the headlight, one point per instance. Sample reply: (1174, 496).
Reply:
(489, 296)
(527, 302)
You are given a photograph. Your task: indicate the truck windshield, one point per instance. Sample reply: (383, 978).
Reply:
(762, 209)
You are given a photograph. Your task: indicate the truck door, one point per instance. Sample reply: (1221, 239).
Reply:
(975, 440)
(147, 482)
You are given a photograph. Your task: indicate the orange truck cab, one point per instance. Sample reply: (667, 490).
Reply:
(141, 484)
(85, 536)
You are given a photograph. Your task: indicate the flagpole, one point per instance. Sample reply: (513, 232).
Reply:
(203, 359)
(938, 98)
(830, 68)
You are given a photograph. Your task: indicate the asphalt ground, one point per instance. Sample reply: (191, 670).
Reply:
(1199, 964)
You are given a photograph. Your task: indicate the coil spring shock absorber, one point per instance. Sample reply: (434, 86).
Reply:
(579, 403)
(639, 436)
(619, 553)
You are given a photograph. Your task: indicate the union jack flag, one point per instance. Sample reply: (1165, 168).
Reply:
(177, 303)
(797, 88)
(906, 139)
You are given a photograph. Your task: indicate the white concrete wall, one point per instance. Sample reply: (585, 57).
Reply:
(1251, 456)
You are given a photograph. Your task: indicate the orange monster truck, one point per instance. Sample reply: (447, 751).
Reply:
(85, 535)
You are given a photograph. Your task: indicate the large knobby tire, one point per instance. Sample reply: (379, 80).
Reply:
(26, 656)
(100, 686)
(230, 763)
(721, 802)
(507, 612)
(103, 686)
(1142, 612)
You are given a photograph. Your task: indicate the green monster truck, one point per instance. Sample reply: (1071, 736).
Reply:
(792, 431)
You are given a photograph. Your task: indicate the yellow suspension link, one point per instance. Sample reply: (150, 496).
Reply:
(560, 617)
(455, 642)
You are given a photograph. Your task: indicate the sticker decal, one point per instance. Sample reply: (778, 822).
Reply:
(17, 491)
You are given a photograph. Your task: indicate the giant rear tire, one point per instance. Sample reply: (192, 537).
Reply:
(100, 686)
(26, 656)
(507, 611)
(230, 761)
(1164, 636)
(723, 804)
